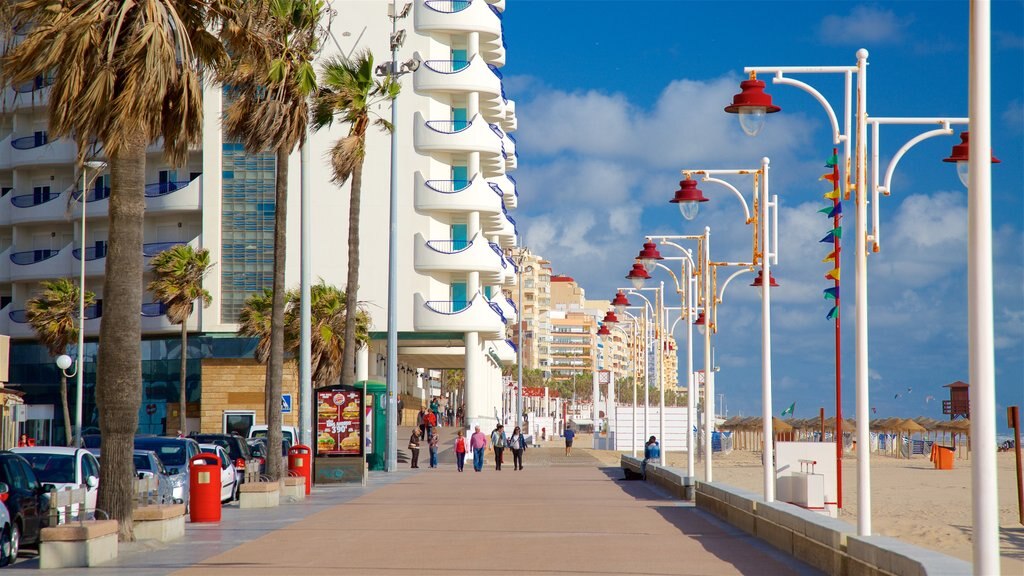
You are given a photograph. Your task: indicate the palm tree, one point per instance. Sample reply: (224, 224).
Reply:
(126, 74)
(351, 92)
(54, 316)
(271, 79)
(328, 310)
(179, 283)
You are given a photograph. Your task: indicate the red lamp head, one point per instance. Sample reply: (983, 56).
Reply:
(649, 254)
(961, 155)
(688, 198)
(620, 302)
(700, 323)
(603, 331)
(752, 103)
(758, 282)
(638, 275)
(610, 318)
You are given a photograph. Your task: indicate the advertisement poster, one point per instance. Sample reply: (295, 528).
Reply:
(339, 422)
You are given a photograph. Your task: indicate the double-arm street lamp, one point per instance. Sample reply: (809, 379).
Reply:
(752, 104)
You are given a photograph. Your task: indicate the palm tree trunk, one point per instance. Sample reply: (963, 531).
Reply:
(119, 370)
(276, 361)
(348, 358)
(182, 396)
(64, 404)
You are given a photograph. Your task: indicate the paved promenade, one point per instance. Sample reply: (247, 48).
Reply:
(557, 516)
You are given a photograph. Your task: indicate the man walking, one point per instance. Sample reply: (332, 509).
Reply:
(569, 435)
(478, 442)
(498, 441)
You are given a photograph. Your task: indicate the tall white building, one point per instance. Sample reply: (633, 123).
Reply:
(454, 155)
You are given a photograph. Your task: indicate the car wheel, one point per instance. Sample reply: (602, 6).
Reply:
(5, 547)
(11, 553)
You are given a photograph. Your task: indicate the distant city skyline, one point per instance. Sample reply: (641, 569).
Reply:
(616, 98)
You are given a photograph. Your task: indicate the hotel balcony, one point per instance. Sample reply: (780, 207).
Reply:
(457, 136)
(151, 249)
(19, 327)
(505, 229)
(508, 308)
(492, 105)
(37, 149)
(456, 76)
(511, 274)
(95, 259)
(32, 94)
(39, 206)
(456, 196)
(174, 197)
(505, 351)
(476, 255)
(154, 320)
(509, 193)
(508, 144)
(42, 264)
(493, 50)
(458, 16)
(5, 152)
(477, 315)
(511, 122)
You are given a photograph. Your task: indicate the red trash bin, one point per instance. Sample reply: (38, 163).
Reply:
(300, 463)
(204, 488)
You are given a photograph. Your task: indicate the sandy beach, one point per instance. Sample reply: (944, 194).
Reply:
(911, 500)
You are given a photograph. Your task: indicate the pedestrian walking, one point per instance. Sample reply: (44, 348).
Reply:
(478, 442)
(421, 422)
(399, 408)
(498, 442)
(460, 450)
(517, 443)
(569, 435)
(435, 439)
(435, 409)
(414, 448)
(652, 451)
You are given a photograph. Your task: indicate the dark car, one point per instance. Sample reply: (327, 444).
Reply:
(236, 446)
(26, 501)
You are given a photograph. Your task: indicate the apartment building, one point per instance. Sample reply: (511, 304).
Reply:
(454, 155)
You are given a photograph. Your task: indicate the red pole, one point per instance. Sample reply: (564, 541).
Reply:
(821, 419)
(1014, 415)
(839, 360)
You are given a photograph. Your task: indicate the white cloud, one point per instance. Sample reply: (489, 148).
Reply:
(1013, 116)
(863, 25)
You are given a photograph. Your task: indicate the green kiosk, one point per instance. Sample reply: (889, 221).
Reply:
(376, 423)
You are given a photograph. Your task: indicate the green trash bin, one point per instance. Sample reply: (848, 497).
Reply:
(376, 424)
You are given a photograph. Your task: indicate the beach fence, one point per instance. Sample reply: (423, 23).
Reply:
(676, 425)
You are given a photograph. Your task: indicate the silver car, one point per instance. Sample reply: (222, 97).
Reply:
(175, 454)
(148, 465)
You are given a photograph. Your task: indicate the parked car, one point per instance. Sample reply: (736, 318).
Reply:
(236, 448)
(147, 464)
(288, 433)
(26, 502)
(8, 545)
(228, 475)
(64, 468)
(175, 454)
(258, 449)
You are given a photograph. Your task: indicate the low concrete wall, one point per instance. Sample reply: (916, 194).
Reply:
(825, 543)
(673, 480)
(259, 495)
(163, 523)
(78, 544)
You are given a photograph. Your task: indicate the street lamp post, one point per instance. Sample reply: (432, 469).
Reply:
(650, 312)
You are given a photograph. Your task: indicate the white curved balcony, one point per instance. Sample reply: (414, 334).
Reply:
(505, 231)
(28, 95)
(475, 255)
(493, 50)
(507, 307)
(154, 320)
(456, 136)
(455, 16)
(509, 193)
(173, 197)
(508, 144)
(456, 196)
(505, 351)
(95, 259)
(41, 207)
(477, 315)
(16, 323)
(42, 264)
(5, 152)
(456, 76)
(511, 274)
(511, 121)
(38, 149)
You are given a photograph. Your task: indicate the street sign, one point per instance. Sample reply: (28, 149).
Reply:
(286, 403)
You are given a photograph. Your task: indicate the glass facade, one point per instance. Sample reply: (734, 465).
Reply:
(247, 227)
(34, 372)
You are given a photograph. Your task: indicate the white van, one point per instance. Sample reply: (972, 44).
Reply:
(288, 433)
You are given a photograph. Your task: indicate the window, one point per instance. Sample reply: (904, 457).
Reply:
(15, 477)
(239, 421)
(91, 466)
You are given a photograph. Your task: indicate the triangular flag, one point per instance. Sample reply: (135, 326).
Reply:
(837, 231)
(830, 237)
(789, 410)
(832, 161)
(830, 176)
(832, 293)
(833, 195)
(832, 274)
(831, 256)
(833, 313)
(837, 209)
(826, 210)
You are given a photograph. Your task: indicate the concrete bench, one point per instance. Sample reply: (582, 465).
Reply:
(259, 495)
(163, 523)
(293, 487)
(78, 544)
(674, 480)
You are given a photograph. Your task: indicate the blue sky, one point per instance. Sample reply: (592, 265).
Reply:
(614, 98)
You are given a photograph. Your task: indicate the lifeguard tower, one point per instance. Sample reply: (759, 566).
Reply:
(959, 403)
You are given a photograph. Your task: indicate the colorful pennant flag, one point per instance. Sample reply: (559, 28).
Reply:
(834, 234)
(831, 211)
(833, 313)
(830, 176)
(789, 411)
(832, 161)
(831, 256)
(832, 274)
(833, 195)
(832, 293)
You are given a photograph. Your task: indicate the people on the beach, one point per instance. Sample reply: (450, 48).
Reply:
(414, 448)
(498, 442)
(478, 442)
(460, 450)
(652, 451)
(432, 443)
(569, 435)
(517, 443)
